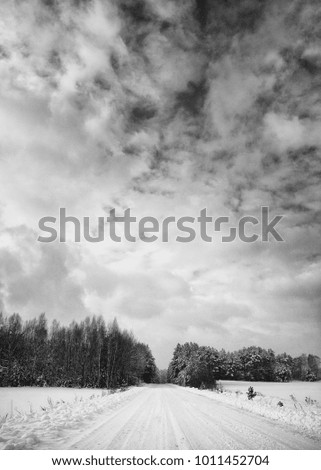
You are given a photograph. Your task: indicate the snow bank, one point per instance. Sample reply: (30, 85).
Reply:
(41, 429)
(305, 417)
(277, 389)
(16, 400)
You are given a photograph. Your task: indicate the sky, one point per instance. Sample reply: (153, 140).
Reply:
(165, 107)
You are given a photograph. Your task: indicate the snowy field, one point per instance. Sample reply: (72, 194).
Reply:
(43, 418)
(15, 400)
(300, 390)
(28, 399)
(274, 401)
(46, 427)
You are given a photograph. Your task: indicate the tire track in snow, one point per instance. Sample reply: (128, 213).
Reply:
(169, 417)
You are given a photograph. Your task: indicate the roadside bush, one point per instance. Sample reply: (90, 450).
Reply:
(310, 401)
(251, 393)
(219, 388)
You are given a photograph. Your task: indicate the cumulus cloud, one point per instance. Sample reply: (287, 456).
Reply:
(165, 107)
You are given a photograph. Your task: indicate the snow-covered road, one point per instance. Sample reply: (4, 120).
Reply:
(170, 417)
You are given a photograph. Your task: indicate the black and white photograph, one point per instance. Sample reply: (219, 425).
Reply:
(160, 228)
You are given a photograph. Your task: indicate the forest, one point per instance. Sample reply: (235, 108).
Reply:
(93, 354)
(201, 366)
(85, 354)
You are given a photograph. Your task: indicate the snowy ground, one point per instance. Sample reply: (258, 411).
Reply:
(15, 400)
(164, 417)
(47, 421)
(301, 414)
(300, 390)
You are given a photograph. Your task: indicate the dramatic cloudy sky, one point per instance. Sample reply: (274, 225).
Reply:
(166, 107)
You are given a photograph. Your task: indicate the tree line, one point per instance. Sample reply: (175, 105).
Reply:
(85, 354)
(201, 366)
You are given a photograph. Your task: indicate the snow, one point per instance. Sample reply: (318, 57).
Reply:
(170, 417)
(300, 390)
(54, 418)
(15, 400)
(302, 415)
(38, 425)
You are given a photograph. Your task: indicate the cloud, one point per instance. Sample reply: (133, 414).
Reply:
(40, 279)
(164, 107)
